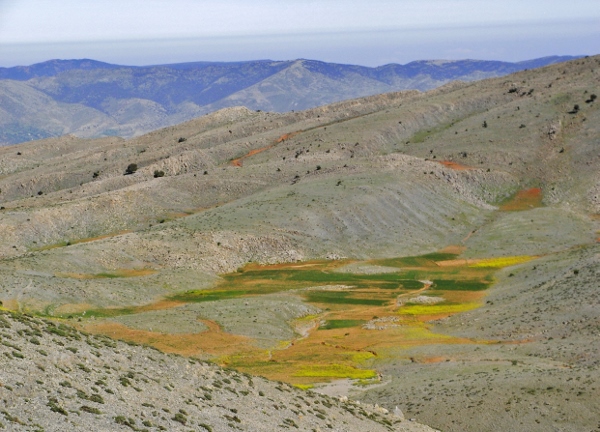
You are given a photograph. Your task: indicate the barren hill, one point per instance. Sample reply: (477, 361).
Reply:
(502, 168)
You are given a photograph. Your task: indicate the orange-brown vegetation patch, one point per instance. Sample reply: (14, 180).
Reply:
(352, 346)
(239, 161)
(10, 304)
(454, 249)
(286, 136)
(214, 342)
(524, 200)
(455, 165)
(431, 360)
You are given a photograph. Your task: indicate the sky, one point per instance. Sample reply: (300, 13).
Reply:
(365, 32)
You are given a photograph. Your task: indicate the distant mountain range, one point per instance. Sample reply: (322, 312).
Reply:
(89, 98)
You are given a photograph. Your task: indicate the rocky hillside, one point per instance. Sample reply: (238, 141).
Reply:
(92, 99)
(56, 379)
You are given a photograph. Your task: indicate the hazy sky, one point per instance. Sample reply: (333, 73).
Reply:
(372, 32)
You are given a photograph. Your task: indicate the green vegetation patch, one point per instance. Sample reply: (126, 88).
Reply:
(427, 260)
(440, 256)
(459, 285)
(341, 323)
(270, 281)
(199, 296)
(421, 135)
(437, 309)
(412, 284)
(337, 297)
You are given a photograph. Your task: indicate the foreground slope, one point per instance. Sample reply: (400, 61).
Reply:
(56, 379)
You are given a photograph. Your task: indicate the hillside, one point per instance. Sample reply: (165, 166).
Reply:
(440, 248)
(93, 99)
(56, 379)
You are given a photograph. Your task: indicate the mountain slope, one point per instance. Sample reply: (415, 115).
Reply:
(498, 169)
(128, 101)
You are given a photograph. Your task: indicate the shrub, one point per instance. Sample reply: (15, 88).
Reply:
(131, 168)
(55, 407)
(158, 173)
(96, 398)
(90, 410)
(180, 418)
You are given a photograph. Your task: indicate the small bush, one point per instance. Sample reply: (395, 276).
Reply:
(158, 173)
(96, 398)
(180, 418)
(54, 407)
(90, 410)
(131, 168)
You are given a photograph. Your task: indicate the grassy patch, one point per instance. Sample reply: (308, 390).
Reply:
(337, 297)
(440, 256)
(341, 323)
(334, 371)
(502, 261)
(411, 261)
(349, 300)
(460, 285)
(206, 295)
(304, 386)
(360, 357)
(437, 309)
(412, 284)
(421, 135)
